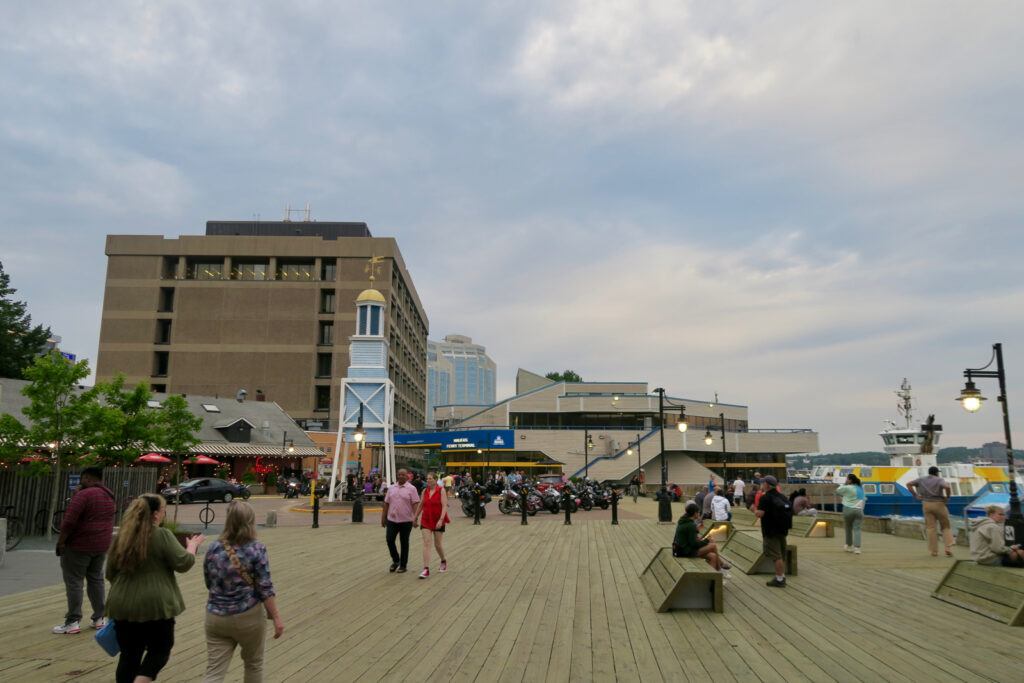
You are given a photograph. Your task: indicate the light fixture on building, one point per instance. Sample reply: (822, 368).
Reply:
(708, 438)
(590, 442)
(360, 433)
(682, 419)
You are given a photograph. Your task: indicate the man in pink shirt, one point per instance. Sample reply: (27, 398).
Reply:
(397, 516)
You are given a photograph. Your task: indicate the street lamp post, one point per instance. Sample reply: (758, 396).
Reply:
(664, 502)
(971, 399)
(587, 445)
(725, 479)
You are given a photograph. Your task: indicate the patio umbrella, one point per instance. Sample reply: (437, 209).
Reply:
(204, 460)
(31, 458)
(155, 458)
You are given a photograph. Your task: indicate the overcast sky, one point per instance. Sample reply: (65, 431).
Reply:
(792, 204)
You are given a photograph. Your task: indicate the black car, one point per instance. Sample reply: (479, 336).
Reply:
(206, 488)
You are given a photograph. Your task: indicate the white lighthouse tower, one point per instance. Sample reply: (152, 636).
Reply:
(366, 414)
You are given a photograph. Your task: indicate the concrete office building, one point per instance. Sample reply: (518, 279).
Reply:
(595, 427)
(263, 306)
(459, 373)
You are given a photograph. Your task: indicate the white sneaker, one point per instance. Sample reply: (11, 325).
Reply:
(856, 551)
(67, 629)
(99, 623)
(848, 548)
(726, 575)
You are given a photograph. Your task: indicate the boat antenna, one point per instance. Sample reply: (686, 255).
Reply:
(905, 406)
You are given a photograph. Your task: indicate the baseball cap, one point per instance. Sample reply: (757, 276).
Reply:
(771, 481)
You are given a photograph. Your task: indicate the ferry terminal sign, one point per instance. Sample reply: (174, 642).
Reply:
(465, 440)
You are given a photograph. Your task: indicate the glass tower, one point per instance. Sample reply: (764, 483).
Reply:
(459, 372)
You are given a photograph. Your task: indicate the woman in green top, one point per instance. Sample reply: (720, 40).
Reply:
(686, 542)
(853, 511)
(144, 596)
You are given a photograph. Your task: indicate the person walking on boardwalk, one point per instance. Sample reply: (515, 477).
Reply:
(853, 511)
(687, 543)
(737, 491)
(776, 515)
(933, 492)
(432, 517)
(237, 575)
(397, 517)
(85, 534)
(144, 596)
(988, 544)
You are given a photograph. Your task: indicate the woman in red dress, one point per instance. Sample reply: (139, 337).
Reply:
(432, 516)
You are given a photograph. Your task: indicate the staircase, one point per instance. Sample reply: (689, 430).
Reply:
(620, 467)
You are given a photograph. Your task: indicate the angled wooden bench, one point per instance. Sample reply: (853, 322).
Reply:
(741, 515)
(809, 526)
(681, 583)
(995, 592)
(745, 551)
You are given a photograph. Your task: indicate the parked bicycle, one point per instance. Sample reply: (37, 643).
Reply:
(13, 528)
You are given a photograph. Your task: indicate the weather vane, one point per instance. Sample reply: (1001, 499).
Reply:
(373, 267)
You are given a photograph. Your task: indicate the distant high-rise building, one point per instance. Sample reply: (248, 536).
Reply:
(459, 372)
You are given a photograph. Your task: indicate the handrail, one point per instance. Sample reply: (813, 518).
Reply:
(599, 458)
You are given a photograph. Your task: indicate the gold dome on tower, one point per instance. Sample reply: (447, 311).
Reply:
(370, 295)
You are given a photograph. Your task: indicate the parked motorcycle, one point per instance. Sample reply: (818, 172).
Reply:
(465, 495)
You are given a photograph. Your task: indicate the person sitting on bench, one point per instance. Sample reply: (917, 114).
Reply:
(987, 541)
(687, 544)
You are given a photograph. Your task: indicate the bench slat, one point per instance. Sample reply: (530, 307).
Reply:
(696, 585)
(998, 576)
(984, 590)
(992, 610)
(995, 592)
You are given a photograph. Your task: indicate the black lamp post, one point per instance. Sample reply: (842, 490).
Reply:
(664, 500)
(724, 478)
(587, 445)
(971, 399)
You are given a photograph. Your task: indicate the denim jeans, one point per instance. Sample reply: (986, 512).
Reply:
(853, 518)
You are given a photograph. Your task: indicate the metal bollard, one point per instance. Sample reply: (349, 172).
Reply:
(565, 504)
(271, 519)
(664, 506)
(476, 506)
(615, 507)
(316, 511)
(357, 509)
(522, 506)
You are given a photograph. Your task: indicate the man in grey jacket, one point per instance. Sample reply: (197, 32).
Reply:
(988, 544)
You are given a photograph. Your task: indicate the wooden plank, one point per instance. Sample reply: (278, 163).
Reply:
(975, 603)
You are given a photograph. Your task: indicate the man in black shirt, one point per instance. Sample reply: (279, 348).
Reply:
(776, 515)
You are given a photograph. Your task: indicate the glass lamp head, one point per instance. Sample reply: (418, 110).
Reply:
(707, 438)
(970, 397)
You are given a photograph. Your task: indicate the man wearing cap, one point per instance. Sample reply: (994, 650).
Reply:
(776, 515)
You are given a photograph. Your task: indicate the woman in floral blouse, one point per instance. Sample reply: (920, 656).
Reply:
(237, 575)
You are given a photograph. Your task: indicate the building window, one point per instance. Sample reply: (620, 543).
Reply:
(323, 365)
(169, 268)
(249, 269)
(161, 363)
(329, 270)
(327, 298)
(166, 300)
(163, 331)
(323, 398)
(375, 320)
(325, 337)
(159, 388)
(200, 269)
(294, 271)
(362, 320)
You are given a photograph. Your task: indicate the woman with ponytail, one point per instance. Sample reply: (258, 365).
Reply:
(144, 596)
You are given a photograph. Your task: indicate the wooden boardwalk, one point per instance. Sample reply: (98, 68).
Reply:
(556, 603)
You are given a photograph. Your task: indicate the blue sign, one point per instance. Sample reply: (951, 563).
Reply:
(69, 356)
(73, 481)
(463, 440)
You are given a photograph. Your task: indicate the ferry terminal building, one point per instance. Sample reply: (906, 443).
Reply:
(546, 427)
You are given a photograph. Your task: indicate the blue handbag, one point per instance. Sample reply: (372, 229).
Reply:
(107, 639)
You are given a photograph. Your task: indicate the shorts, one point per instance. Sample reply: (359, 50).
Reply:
(774, 547)
(439, 531)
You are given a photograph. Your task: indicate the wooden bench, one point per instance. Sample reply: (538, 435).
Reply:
(745, 551)
(809, 526)
(741, 515)
(995, 592)
(681, 583)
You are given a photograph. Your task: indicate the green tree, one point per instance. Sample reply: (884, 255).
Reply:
(121, 424)
(20, 342)
(566, 376)
(57, 411)
(177, 434)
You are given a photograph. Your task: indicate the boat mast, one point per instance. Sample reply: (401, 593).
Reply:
(905, 406)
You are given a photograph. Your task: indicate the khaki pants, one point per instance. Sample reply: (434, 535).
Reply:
(248, 630)
(934, 511)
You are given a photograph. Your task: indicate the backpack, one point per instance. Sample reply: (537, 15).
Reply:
(779, 512)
